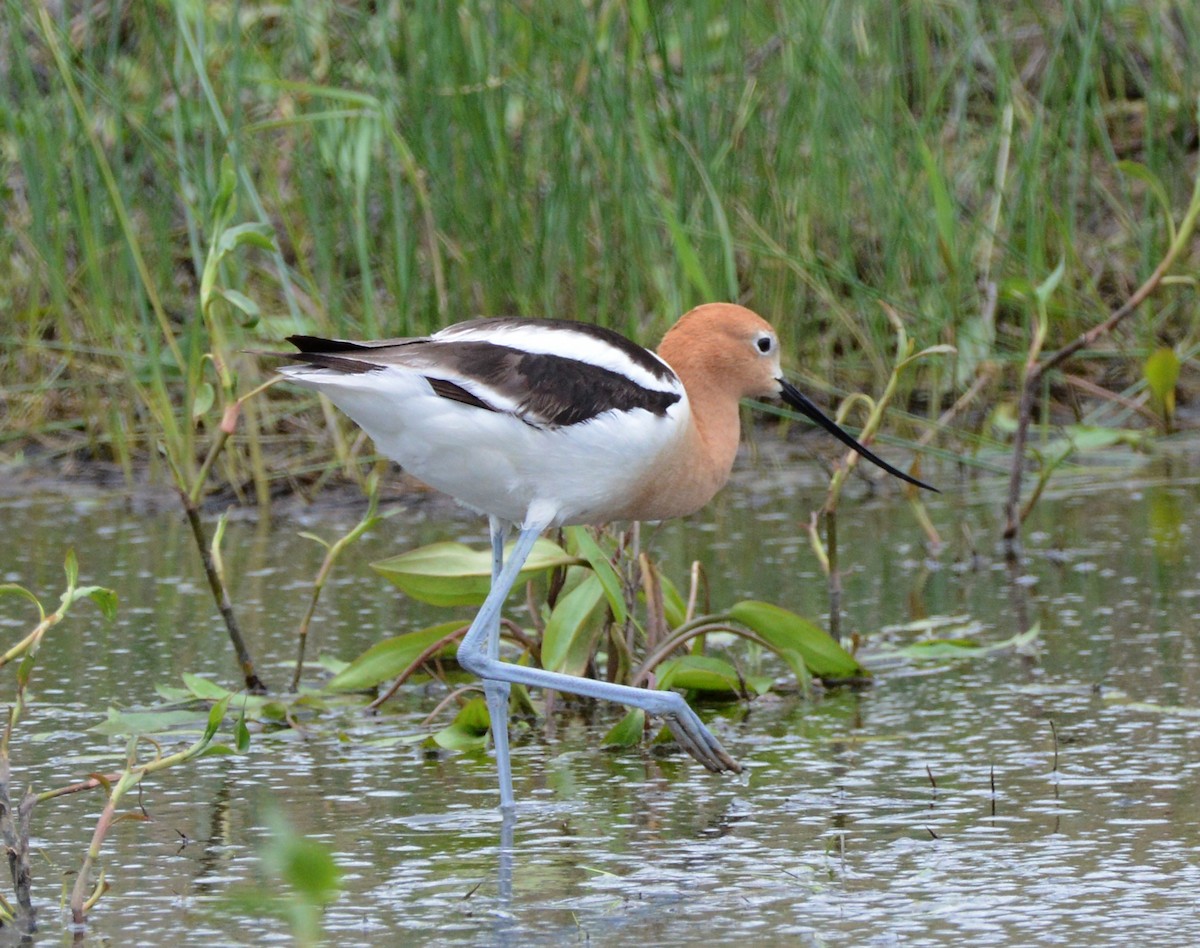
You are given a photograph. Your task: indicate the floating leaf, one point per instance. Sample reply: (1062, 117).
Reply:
(805, 646)
(385, 660)
(453, 574)
(705, 673)
(628, 731)
(469, 730)
(204, 689)
(570, 631)
(125, 723)
(968, 648)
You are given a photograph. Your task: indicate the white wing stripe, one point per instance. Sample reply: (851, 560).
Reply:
(570, 345)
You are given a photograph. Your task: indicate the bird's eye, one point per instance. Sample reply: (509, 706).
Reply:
(765, 344)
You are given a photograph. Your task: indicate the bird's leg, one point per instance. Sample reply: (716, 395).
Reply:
(497, 691)
(684, 723)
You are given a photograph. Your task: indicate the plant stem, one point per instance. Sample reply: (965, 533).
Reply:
(1035, 371)
(254, 684)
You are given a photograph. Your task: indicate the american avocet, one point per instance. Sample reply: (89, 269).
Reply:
(543, 423)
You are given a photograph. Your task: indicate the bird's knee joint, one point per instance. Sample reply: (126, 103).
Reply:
(474, 661)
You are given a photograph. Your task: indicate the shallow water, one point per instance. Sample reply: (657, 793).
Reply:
(1027, 799)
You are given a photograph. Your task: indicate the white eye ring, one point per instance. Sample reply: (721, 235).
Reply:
(765, 343)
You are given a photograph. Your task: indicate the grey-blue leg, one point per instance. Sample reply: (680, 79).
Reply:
(497, 691)
(475, 656)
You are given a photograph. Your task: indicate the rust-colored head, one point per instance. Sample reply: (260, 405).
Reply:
(723, 353)
(726, 350)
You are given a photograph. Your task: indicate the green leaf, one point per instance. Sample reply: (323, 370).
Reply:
(453, 574)
(241, 733)
(204, 398)
(305, 865)
(385, 660)
(204, 689)
(968, 648)
(589, 549)
(224, 202)
(1161, 372)
(71, 568)
(943, 206)
(1137, 170)
(674, 605)
(249, 308)
(469, 730)
(12, 589)
(215, 716)
(628, 731)
(799, 642)
(122, 723)
(570, 634)
(252, 233)
(105, 600)
(1044, 290)
(705, 673)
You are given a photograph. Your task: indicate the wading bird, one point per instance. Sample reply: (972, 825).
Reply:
(544, 423)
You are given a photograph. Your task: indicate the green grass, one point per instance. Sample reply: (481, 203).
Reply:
(615, 162)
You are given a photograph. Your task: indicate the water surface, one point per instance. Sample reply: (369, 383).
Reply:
(1041, 798)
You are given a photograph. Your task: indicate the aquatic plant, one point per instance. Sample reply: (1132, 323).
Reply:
(15, 821)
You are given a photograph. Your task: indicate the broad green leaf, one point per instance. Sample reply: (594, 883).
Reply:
(453, 574)
(797, 640)
(589, 549)
(385, 660)
(204, 398)
(241, 733)
(71, 568)
(674, 605)
(628, 731)
(215, 716)
(469, 729)
(219, 750)
(968, 648)
(123, 723)
(249, 308)
(204, 689)
(570, 632)
(705, 673)
(105, 599)
(1162, 375)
